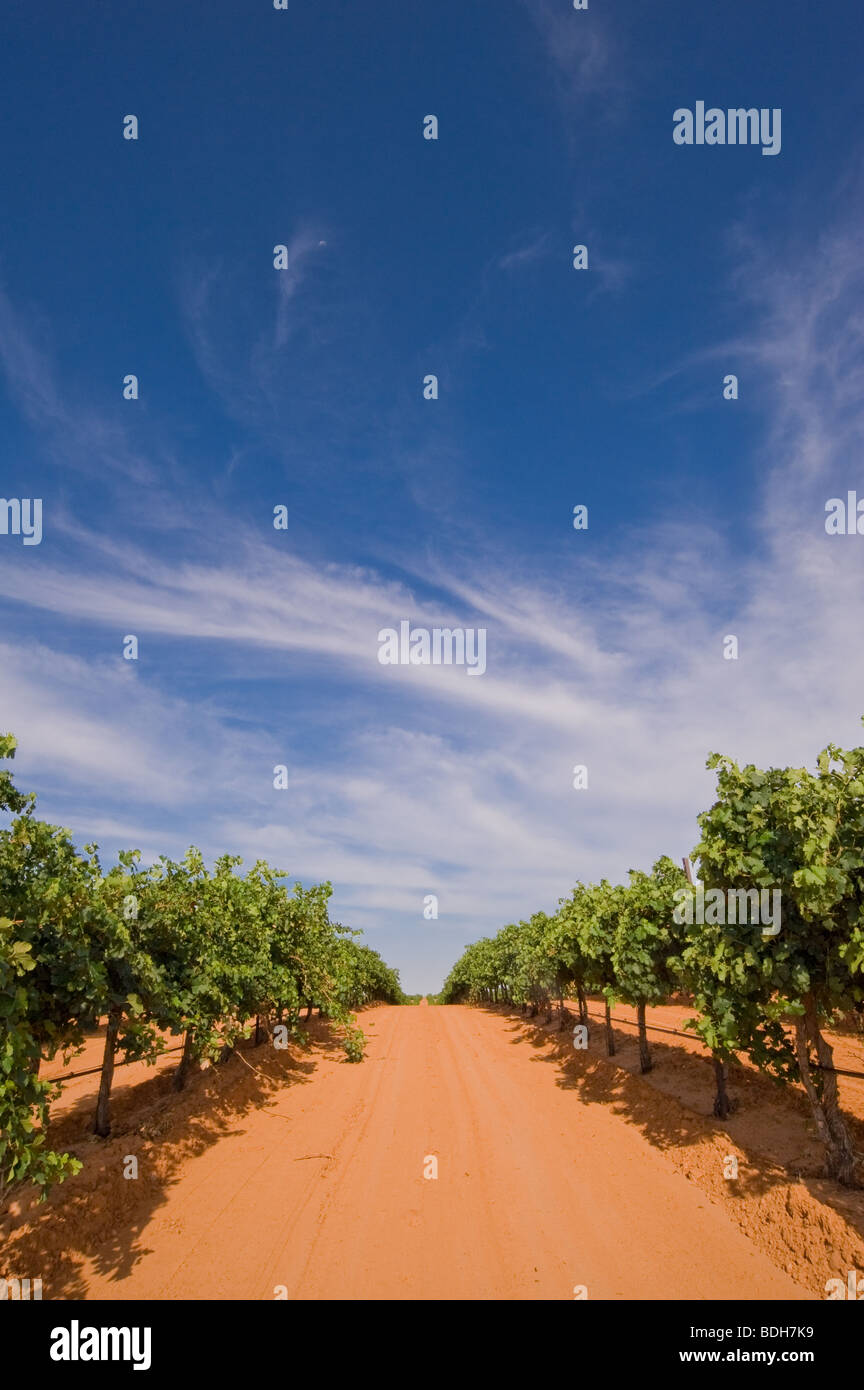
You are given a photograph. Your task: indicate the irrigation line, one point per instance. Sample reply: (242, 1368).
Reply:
(626, 1022)
(91, 1071)
(676, 1033)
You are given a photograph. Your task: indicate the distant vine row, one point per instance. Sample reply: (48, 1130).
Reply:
(769, 945)
(160, 950)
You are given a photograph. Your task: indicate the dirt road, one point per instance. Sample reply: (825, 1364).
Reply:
(322, 1192)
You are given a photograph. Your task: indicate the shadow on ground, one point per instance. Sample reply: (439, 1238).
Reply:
(771, 1133)
(100, 1217)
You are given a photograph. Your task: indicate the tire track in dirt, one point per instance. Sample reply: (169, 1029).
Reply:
(294, 1203)
(324, 1191)
(575, 1188)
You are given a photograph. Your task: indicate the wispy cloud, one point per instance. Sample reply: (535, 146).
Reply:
(527, 253)
(586, 60)
(81, 437)
(285, 352)
(412, 780)
(301, 246)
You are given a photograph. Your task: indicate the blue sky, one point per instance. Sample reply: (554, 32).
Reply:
(303, 387)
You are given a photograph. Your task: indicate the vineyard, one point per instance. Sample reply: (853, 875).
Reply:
(768, 994)
(158, 952)
(336, 1198)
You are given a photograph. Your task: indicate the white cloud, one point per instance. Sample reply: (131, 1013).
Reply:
(585, 60)
(78, 436)
(413, 780)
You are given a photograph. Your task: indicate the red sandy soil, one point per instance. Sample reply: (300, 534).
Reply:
(773, 1120)
(301, 1172)
(848, 1046)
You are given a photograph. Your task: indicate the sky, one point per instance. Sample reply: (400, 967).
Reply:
(303, 388)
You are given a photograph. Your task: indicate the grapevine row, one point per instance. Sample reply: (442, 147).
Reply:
(765, 993)
(166, 949)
